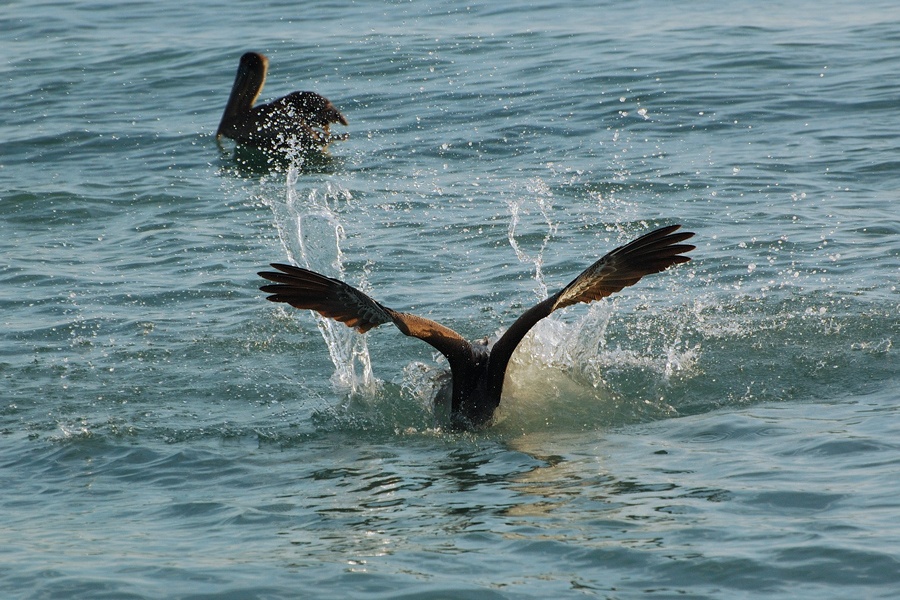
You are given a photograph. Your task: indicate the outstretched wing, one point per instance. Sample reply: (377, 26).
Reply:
(332, 298)
(624, 266)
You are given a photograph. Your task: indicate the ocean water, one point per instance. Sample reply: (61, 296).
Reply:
(726, 429)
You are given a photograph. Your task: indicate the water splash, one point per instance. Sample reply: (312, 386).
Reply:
(311, 233)
(566, 374)
(429, 387)
(542, 194)
(578, 370)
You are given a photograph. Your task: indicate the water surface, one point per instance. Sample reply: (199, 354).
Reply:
(727, 429)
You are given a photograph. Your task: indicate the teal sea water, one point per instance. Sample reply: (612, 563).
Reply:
(727, 429)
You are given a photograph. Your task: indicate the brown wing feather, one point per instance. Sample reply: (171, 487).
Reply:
(455, 347)
(332, 298)
(626, 265)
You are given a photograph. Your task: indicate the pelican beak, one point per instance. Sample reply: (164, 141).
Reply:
(335, 116)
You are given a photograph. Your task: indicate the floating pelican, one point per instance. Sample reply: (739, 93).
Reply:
(298, 119)
(477, 370)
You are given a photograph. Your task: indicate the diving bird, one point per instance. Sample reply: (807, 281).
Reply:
(300, 118)
(476, 369)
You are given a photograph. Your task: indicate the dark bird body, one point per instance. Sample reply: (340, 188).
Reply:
(300, 119)
(477, 371)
